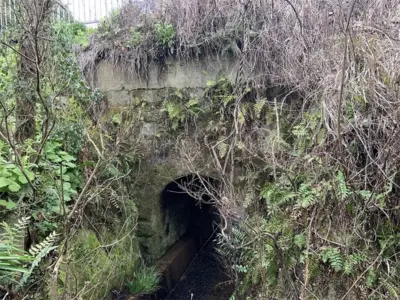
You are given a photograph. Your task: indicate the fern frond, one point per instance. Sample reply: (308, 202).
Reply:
(300, 130)
(394, 292)
(114, 199)
(277, 196)
(307, 195)
(48, 242)
(352, 261)
(39, 252)
(342, 190)
(14, 233)
(334, 257)
(258, 107)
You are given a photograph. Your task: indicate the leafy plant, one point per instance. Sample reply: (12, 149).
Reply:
(165, 34)
(353, 262)
(135, 38)
(100, 267)
(71, 33)
(12, 176)
(181, 107)
(342, 190)
(308, 195)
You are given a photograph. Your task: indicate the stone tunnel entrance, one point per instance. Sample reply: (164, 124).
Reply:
(186, 208)
(190, 223)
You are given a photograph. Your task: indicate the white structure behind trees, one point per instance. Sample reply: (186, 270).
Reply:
(89, 12)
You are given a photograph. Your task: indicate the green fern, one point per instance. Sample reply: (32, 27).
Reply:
(300, 240)
(300, 131)
(392, 289)
(334, 257)
(47, 243)
(352, 262)
(307, 195)
(342, 190)
(277, 196)
(258, 107)
(16, 232)
(13, 259)
(39, 252)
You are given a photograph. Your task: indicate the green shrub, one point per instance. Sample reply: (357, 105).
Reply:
(165, 34)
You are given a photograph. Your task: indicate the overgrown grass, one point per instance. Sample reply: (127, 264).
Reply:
(145, 282)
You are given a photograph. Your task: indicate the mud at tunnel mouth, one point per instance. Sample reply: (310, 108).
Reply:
(191, 268)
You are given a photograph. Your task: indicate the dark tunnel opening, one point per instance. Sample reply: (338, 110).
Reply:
(186, 208)
(191, 265)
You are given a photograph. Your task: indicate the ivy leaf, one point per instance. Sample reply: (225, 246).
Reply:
(54, 158)
(69, 164)
(22, 179)
(17, 171)
(365, 194)
(56, 209)
(66, 185)
(8, 204)
(57, 170)
(14, 187)
(5, 173)
(65, 156)
(30, 175)
(4, 182)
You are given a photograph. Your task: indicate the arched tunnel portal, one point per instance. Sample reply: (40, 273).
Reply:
(190, 265)
(186, 207)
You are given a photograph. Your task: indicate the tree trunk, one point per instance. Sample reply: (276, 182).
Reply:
(26, 102)
(34, 14)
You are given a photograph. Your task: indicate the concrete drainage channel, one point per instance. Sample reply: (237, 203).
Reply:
(192, 270)
(174, 263)
(190, 267)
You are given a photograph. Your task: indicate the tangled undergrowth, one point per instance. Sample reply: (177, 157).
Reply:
(310, 185)
(62, 179)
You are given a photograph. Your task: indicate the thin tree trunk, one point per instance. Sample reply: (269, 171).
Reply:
(33, 16)
(26, 101)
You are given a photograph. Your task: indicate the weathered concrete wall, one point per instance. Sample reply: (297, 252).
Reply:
(162, 161)
(173, 74)
(122, 86)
